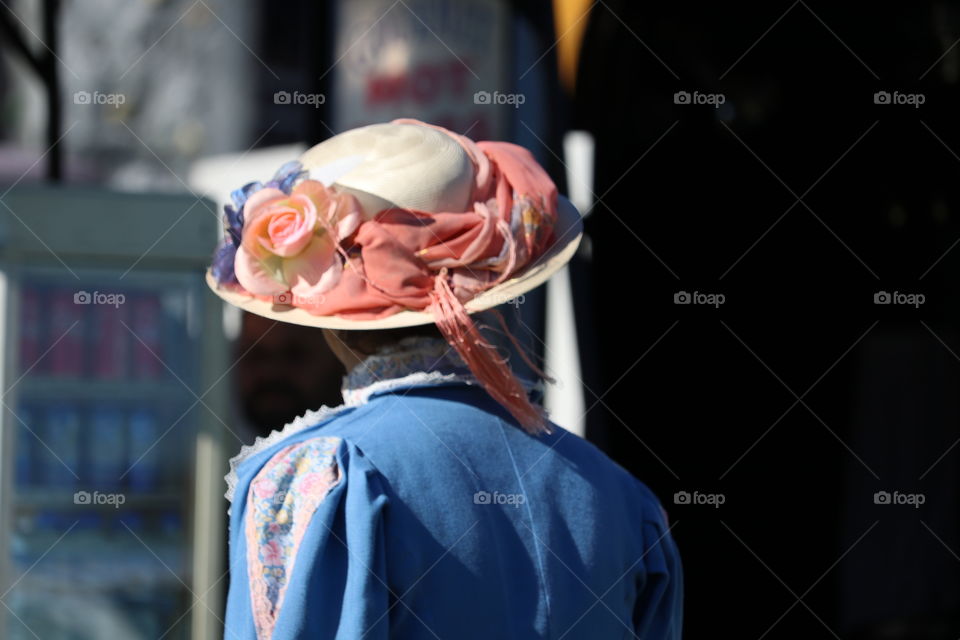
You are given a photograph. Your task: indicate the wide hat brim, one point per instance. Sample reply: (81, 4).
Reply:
(568, 232)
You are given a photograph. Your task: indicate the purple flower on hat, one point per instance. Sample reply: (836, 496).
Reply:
(223, 259)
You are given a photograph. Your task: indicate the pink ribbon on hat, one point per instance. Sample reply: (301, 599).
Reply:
(407, 259)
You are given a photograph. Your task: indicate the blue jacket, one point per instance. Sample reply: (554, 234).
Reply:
(419, 510)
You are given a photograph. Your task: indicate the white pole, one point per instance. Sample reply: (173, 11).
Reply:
(565, 400)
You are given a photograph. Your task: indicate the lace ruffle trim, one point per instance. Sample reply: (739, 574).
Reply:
(300, 423)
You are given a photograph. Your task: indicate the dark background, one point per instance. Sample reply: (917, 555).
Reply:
(716, 400)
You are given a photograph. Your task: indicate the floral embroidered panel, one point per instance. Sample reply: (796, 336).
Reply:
(280, 503)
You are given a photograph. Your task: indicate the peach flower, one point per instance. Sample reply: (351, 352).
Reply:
(289, 242)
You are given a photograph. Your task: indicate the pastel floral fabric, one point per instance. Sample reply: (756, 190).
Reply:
(282, 499)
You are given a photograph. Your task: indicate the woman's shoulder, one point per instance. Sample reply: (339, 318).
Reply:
(254, 456)
(287, 496)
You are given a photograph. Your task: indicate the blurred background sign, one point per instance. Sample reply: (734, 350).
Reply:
(440, 62)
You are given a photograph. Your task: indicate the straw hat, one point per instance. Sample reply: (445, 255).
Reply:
(407, 165)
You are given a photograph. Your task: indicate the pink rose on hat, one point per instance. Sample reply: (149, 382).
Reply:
(289, 242)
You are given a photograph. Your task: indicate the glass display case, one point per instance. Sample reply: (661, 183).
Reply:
(111, 456)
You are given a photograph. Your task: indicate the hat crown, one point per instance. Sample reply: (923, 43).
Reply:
(399, 165)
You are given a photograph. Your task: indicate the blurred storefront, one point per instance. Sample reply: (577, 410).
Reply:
(112, 449)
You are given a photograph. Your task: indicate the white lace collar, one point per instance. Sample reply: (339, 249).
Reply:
(413, 361)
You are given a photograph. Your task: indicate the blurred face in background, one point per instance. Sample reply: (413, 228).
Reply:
(283, 371)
